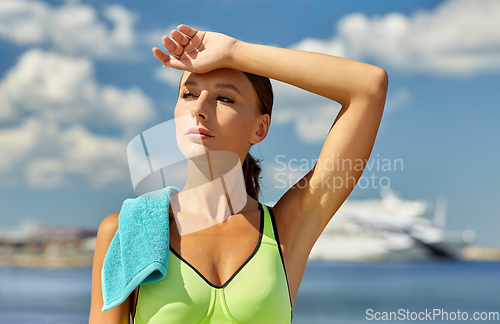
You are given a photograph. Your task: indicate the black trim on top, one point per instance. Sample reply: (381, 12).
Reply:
(276, 237)
(136, 300)
(261, 230)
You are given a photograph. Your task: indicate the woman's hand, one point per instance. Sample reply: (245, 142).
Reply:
(195, 51)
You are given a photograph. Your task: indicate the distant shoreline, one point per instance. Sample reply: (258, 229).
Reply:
(82, 259)
(85, 259)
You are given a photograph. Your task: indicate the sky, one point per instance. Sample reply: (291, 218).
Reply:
(78, 82)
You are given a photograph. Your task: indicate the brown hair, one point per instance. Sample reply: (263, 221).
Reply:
(251, 166)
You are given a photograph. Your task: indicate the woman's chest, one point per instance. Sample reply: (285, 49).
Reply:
(256, 293)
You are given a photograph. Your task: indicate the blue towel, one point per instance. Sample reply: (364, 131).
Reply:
(138, 253)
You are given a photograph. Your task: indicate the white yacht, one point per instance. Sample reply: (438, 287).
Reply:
(390, 228)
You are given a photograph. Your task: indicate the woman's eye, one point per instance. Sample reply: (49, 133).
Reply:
(225, 99)
(187, 95)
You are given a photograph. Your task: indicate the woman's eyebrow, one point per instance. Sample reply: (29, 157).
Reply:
(188, 83)
(227, 86)
(218, 86)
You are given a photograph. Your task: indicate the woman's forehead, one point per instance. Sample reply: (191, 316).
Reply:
(228, 76)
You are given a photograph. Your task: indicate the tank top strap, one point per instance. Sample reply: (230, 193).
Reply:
(268, 232)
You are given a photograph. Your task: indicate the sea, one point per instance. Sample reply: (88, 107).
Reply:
(331, 292)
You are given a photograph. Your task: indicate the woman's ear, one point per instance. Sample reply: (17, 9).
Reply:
(262, 129)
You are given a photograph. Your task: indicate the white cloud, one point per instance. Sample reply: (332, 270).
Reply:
(311, 114)
(48, 103)
(101, 159)
(154, 37)
(44, 155)
(72, 28)
(63, 89)
(397, 99)
(45, 173)
(16, 142)
(313, 127)
(50, 100)
(23, 21)
(458, 37)
(171, 77)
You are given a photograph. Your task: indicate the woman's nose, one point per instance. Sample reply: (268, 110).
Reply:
(195, 112)
(200, 108)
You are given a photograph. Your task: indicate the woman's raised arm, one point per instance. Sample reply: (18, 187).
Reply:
(361, 90)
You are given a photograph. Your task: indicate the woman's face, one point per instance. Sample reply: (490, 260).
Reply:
(225, 104)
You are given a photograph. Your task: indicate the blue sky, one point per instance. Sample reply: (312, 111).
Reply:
(78, 82)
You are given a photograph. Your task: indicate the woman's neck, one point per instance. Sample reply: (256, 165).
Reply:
(214, 190)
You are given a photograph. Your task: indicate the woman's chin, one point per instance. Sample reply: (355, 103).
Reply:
(193, 150)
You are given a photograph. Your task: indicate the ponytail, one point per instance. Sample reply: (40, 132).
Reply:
(251, 172)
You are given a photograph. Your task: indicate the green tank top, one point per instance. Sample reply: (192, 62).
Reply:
(257, 292)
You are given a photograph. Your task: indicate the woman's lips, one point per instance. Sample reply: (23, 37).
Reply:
(197, 134)
(198, 137)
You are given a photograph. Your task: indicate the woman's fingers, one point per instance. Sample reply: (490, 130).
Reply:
(161, 55)
(195, 44)
(186, 30)
(172, 46)
(167, 60)
(193, 39)
(184, 41)
(179, 38)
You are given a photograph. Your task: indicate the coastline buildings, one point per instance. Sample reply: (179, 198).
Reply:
(33, 245)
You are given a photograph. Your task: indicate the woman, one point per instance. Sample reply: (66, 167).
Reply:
(220, 90)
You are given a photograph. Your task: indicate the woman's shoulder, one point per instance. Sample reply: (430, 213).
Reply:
(105, 234)
(108, 227)
(107, 230)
